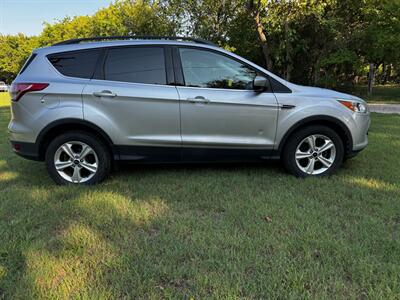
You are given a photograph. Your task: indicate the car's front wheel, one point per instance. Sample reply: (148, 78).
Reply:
(313, 151)
(77, 158)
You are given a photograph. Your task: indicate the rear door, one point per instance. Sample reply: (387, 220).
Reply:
(222, 117)
(131, 99)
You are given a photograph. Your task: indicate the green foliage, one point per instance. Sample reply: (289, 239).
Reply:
(309, 41)
(14, 50)
(131, 18)
(67, 28)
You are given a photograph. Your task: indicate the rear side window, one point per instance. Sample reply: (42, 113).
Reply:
(136, 64)
(76, 63)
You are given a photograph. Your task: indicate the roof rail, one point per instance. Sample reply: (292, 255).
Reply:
(133, 37)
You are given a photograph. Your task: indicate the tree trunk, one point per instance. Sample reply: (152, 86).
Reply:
(383, 77)
(371, 78)
(387, 70)
(317, 71)
(264, 45)
(288, 73)
(262, 38)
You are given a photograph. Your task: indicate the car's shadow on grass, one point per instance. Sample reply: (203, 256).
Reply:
(216, 229)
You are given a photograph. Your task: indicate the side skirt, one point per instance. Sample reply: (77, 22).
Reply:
(144, 154)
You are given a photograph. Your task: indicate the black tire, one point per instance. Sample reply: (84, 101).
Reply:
(103, 156)
(289, 151)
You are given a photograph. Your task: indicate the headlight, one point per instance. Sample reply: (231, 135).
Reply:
(354, 106)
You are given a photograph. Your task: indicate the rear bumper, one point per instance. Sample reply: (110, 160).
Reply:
(26, 150)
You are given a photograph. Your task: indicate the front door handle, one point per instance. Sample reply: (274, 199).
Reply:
(198, 99)
(104, 94)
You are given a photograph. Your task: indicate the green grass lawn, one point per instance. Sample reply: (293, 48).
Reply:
(4, 99)
(381, 94)
(220, 231)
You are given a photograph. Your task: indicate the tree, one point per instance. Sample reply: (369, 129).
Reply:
(381, 32)
(132, 18)
(14, 50)
(255, 9)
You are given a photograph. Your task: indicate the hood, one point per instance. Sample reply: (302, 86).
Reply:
(325, 93)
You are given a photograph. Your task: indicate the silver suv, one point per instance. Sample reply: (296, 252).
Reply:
(84, 104)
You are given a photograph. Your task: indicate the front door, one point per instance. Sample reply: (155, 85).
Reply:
(222, 117)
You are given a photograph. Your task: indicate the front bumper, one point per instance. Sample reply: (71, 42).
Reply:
(359, 131)
(352, 154)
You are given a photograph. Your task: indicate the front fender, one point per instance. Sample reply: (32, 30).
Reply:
(317, 110)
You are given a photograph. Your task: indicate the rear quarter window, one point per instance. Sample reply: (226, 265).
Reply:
(79, 64)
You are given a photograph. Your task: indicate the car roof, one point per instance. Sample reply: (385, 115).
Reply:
(116, 43)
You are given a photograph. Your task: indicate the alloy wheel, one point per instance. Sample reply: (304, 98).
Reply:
(315, 154)
(76, 162)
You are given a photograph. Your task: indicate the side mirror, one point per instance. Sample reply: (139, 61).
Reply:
(260, 83)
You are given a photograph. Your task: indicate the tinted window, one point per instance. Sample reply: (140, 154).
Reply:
(75, 64)
(139, 65)
(208, 69)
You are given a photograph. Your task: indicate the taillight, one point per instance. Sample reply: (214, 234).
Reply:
(19, 89)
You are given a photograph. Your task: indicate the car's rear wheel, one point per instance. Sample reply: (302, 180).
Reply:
(77, 158)
(313, 151)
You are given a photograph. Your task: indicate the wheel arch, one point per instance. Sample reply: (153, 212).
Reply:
(70, 124)
(328, 121)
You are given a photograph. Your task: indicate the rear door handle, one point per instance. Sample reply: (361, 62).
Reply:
(198, 99)
(104, 94)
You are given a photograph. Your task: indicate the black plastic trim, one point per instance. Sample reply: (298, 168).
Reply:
(145, 154)
(169, 65)
(26, 150)
(99, 69)
(277, 87)
(27, 63)
(149, 154)
(129, 37)
(353, 153)
(179, 78)
(224, 154)
(288, 106)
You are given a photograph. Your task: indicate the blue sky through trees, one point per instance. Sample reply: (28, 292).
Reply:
(27, 16)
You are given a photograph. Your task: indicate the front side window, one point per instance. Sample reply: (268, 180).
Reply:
(136, 64)
(207, 69)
